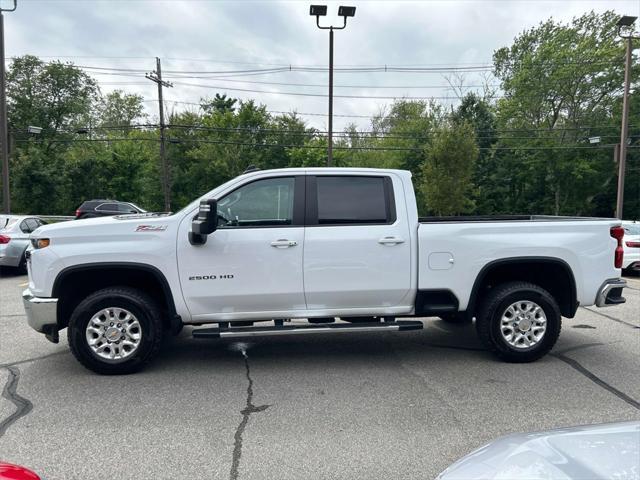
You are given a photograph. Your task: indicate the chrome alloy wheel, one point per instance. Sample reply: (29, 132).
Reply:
(113, 334)
(523, 324)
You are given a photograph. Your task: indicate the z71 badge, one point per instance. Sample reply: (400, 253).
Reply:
(151, 228)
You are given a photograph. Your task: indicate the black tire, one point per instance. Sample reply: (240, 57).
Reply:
(497, 302)
(455, 317)
(139, 304)
(22, 266)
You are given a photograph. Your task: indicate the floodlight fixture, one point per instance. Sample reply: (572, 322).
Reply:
(346, 11)
(318, 10)
(626, 21)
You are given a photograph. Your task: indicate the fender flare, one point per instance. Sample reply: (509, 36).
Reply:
(475, 291)
(175, 321)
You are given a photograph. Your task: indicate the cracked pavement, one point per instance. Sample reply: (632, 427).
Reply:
(392, 405)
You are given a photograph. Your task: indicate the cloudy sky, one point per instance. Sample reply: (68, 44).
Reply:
(200, 41)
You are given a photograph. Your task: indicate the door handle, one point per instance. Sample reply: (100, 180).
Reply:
(390, 240)
(284, 243)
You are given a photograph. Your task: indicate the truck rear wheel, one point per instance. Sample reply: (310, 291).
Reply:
(519, 321)
(115, 331)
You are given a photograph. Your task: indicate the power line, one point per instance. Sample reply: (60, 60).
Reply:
(275, 145)
(324, 85)
(365, 133)
(358, 132)
(301, 94)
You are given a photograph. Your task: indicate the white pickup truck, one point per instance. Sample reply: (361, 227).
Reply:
(318, 244)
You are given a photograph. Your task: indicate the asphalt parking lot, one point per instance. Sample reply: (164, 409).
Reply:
(394, 405)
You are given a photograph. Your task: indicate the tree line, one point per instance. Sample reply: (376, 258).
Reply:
(541, 144)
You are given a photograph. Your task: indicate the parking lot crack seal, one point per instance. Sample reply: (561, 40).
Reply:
(246, 413)
(23, 406)
(592, 376)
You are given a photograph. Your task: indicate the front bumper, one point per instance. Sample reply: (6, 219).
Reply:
(610, 293)
(41, 312)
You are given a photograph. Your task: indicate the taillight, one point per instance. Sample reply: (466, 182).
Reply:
(78, 213)
(4, 239)
(633, 244)
(618, 233)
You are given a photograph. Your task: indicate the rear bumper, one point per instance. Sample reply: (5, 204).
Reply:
(610, 293)
(41, 312)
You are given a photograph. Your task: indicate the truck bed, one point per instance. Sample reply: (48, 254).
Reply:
(452, 251)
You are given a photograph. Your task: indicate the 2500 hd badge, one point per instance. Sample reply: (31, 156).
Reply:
(211, 277)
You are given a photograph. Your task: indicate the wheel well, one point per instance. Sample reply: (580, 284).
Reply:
(553, 275)
(74, 284)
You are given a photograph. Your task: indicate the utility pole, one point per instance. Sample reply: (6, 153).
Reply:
(330, 143)
(624, 22)
(4, 134)
(156, 76)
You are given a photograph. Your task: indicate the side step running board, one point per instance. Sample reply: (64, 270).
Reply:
(307, 329)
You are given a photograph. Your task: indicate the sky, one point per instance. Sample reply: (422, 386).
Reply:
(215, 38)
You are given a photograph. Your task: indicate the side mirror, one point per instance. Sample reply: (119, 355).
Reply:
(205, 223)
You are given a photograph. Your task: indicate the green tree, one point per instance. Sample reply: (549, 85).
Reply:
(446, 185)
(118, 108)
(53, 96)
(561, 83)
(219, 103)
(478, 113)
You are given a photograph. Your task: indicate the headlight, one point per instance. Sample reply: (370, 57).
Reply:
(40, 242)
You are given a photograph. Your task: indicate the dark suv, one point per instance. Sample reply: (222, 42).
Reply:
(106, 208)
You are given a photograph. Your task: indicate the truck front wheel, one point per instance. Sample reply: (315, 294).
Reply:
(115, 331)
(519, 321)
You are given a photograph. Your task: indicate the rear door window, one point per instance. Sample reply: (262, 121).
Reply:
(353, 200)
(107, 207)
(32, 224)
(126, 208)
(24, 227)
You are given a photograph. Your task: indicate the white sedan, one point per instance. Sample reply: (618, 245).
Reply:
(631, 245)
(14, 239)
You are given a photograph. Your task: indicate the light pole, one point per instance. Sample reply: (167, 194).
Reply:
(625, 23)
(4, 134)
(320, 11)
